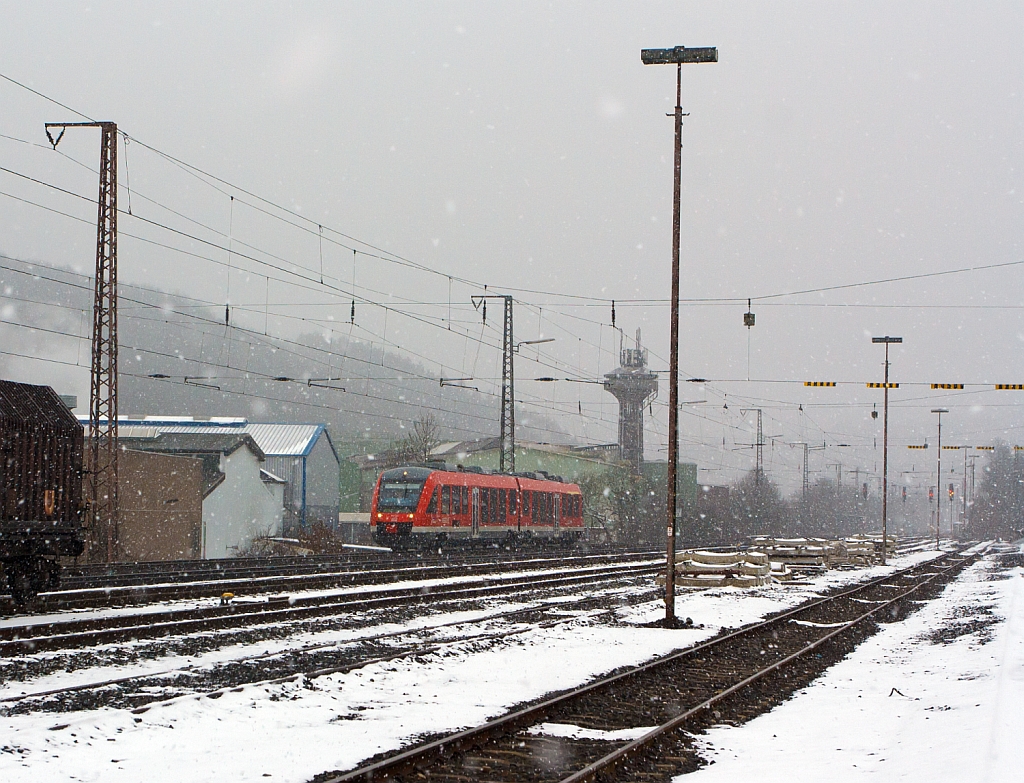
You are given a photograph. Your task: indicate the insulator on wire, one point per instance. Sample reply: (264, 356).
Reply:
(227, 315)
(485, 311)
(613, 313)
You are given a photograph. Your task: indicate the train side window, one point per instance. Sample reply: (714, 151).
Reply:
(456, 498)
(432, 505)
(485, 505)
(494, 505)
(513, 502)
(502, 504)
(465, 500)
(446, 499)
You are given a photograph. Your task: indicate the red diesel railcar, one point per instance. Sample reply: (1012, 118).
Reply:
(428, 505)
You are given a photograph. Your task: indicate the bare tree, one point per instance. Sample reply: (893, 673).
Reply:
(417, 445)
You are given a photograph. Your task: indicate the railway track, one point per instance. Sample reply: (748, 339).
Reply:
(135, 574)
(140, 692)
(210, 583)
(32, 637)
(632, 725)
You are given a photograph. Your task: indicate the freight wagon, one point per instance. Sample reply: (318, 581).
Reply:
(41, 510)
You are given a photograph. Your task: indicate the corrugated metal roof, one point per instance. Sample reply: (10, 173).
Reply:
(285, 440)
(274, 440)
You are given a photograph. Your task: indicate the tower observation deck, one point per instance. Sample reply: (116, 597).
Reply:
(633, 386)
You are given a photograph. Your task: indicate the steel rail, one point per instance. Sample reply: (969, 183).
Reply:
(408, 760)
(540, 607)
(93, 576)
(207, 588)
(106, 630)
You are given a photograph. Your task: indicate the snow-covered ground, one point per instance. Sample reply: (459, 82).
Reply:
(293, 731)
(905, 705)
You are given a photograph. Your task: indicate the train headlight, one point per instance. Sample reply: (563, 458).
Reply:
(380, 516)
(410, 516)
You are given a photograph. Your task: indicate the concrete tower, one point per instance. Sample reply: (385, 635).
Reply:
(633, 386)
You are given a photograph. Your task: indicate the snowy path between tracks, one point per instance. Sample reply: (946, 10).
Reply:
(293, 731)
(955, 714)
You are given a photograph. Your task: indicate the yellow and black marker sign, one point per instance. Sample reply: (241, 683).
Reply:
(918, 447)
(947, 386)
(819, 383)
(952, 448)
(882, 385)
(985, 448)
(1009, 386)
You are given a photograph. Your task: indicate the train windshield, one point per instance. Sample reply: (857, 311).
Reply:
(399, 495)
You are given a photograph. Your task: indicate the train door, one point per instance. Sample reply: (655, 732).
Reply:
(556, 508)
(475, 508)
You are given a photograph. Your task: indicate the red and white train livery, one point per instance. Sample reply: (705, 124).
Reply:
(427, 505)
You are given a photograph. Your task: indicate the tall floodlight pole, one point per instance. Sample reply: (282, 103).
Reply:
(101, 455)
(677, 55)
(938, 477)
(887, 341)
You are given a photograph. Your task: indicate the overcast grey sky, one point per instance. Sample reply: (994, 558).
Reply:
(524, 146)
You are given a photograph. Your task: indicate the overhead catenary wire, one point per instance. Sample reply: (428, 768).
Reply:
(562, 297)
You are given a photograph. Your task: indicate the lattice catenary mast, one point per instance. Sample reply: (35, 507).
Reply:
(101, 455)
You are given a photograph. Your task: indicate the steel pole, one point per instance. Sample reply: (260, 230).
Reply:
(938, 485)
(885, 457)
(963, 496)
(673, 368)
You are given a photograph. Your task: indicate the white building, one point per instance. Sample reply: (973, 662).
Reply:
(241, 499)
(302, 455)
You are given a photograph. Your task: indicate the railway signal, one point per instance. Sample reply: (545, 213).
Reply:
(938, 474)
(886, 341)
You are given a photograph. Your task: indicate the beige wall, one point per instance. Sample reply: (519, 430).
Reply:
(161, 506)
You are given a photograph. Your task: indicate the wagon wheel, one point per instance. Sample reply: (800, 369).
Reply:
(19, 583)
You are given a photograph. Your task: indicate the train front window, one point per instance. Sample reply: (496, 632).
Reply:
(399, 496)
